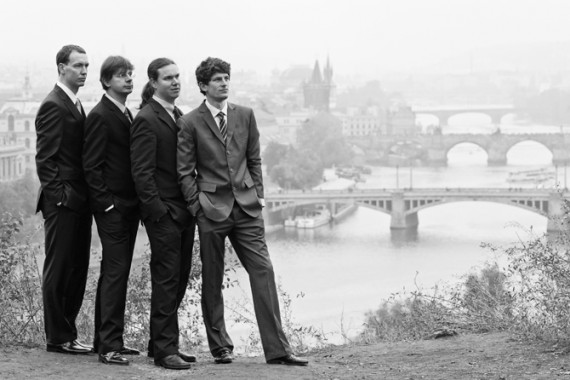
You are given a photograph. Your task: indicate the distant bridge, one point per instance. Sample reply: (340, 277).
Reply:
(403, 205)
(435, 147)
(496, 112)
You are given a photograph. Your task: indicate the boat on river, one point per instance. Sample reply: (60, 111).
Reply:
(535, 176)
(310, 219)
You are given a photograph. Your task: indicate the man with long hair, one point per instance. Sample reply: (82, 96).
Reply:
(169, 225)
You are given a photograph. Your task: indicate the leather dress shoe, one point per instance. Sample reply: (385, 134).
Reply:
(113, 357)
(187, 357)
(129, 351)
(86, 346)
(224, 356)
(172, 362)
(68, 348)
(289, 360)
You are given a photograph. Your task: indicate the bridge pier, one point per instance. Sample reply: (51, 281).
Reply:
(496, 157)
(437, 157)
(400, 218)
(555, 214)
(401, 221)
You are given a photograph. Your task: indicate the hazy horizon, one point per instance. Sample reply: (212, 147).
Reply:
(367, 37)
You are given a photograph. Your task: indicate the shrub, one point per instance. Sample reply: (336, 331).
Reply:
(480, 302)
(21, 307)
(21, 317)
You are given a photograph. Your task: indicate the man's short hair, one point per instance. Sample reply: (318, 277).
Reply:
(63, 54)
(112, 65)
(208, 67)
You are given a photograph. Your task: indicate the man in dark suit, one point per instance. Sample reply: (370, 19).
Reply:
(63, 201)
(107, 165)
(219, 169)
(169, 225)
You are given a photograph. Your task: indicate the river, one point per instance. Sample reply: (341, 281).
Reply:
(347, 269)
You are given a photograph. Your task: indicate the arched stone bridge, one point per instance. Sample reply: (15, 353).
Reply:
(496, 113)
(436, 147)
(403, 205)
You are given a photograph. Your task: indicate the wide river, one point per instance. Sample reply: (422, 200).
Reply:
(349, 268)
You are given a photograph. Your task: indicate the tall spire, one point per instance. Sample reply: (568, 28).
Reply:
(328, 72)
(27, 88)
(316, 77)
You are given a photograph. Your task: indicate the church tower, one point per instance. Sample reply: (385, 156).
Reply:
(317, 91)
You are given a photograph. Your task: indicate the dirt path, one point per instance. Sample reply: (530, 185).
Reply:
(484, 356)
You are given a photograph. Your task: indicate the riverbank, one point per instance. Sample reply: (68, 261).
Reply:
(469, 356)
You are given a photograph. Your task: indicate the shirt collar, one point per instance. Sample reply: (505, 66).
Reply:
(215, 111)
(169, 107)
(69, 93)
(121, 106)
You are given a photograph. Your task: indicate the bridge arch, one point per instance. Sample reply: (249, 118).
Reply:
(516, 152)
(536, 206)
(466, 118)
(464, 145)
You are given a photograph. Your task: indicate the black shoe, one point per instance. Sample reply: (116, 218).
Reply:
(186, 357)
(224, 356)
(68, 348)
(289, 360)
(129, 351)
(113, 357)
(172, 362)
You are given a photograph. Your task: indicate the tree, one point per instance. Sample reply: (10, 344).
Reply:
(273, 154)
(322, 135)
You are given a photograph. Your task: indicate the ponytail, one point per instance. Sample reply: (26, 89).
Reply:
(146, 94)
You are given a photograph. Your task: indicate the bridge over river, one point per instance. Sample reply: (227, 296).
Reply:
(435, 148)
(403, 205)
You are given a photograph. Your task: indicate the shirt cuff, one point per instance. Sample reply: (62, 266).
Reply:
(109, 208)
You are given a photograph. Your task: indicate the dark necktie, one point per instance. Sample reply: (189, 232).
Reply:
(177, 113)
(223, 129)
(129, 115)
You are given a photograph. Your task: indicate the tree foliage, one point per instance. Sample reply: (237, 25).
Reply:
(19, 196)
(320, 144)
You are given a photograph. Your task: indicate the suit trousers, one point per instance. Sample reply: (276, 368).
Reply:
(247, 236)
(171, 245)
(118, 233)
(67, 247)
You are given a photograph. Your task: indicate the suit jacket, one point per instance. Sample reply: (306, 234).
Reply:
(59, 128)
(107, 159)
(212, 174)
(153, 160)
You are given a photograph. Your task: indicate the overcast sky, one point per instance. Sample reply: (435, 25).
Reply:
(366, 36)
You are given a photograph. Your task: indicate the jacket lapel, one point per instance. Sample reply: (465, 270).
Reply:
(210, 122)
(69, 104)
(116, 111)
(163, 115)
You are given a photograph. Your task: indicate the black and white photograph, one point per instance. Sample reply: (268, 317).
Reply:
(285, 189)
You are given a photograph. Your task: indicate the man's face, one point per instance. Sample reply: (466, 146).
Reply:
(74, 73)
(217, 89)
(121, 83)
(167, 85)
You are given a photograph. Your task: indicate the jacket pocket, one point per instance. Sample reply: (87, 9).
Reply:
(207, 187)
